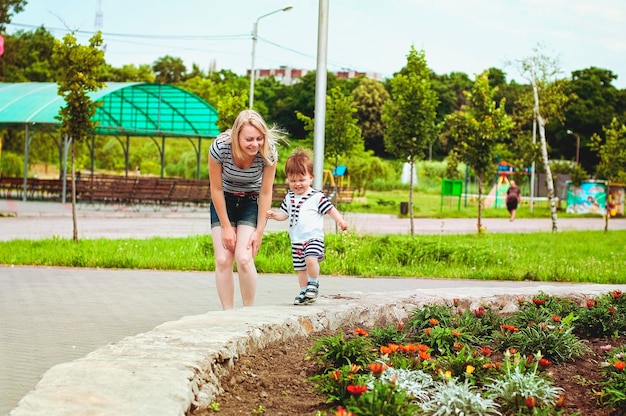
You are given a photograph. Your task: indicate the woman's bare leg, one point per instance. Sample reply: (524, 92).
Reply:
(224, 280)
(245, 265)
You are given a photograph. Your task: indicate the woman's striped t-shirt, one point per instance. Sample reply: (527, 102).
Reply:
(235, 179)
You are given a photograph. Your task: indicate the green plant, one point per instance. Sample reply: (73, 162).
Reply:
(602, 316)
(337, 350)
(382, 398)
(259, 410)
(557, 343)
(423, 317)
(613, 393)
(387, 334)
(214, 406)
(333, 384)
(453, 398)
(445, 341)
(519, 382)
(466, 364)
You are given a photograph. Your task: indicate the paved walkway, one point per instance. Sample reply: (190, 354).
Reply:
(56, 315)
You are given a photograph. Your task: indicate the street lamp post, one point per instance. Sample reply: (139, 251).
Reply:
(255, 32)
(571, 133)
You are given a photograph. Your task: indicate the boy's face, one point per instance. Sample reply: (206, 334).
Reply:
(300, 184)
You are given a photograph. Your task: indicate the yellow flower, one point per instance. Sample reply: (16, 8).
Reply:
(469, 369)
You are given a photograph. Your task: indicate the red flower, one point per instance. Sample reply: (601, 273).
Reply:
(360, 331)
(479, 312)
(530, 402)
(486, 351)
(544, 362)
(617, 294)
(335, 375)
(539, 301)
(612, 310)
(620, 365)
(356, 390)
(590, 303)
(556, 318)
(400, 326)
(509, 328)
(455, 301)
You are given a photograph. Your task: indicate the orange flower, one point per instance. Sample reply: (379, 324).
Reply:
(509, 328)
(335, 375)
(456, 333)
(560, 401)
(513, 350)
(377, 368)
(362, 332)
(424, 355)
(620, 365)
(385, 350)
(343, 412)
(423, 347)
(410, 347)
(433, 321)
(393, 347)
(556, 318)
(427, 331)
(530, 402)
(356, 390)
(486, 351)
(354, 368)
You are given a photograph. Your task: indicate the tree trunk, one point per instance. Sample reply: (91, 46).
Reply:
(546, 165)
(75, 233)
(412, 166)
(544, 154)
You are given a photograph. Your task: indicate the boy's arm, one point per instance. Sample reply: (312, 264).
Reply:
(276, 215)
(335, 215)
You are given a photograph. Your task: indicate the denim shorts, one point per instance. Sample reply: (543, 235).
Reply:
(241, 210)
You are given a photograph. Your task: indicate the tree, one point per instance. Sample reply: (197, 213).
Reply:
(370, 96)
(28, 57)
(169, 70)
(410, 115)
(7, 8)
(342, 135)
(80, 66)
(612, 154)
(477, 129)
(549, 101)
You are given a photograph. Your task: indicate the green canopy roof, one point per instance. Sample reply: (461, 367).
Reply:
(128, 108)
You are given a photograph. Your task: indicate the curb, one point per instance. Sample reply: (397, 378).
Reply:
(178, 365)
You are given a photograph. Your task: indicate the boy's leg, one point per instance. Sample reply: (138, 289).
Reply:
(314, 253)
(299, 265)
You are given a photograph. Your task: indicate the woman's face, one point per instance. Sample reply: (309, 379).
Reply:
(250, 140)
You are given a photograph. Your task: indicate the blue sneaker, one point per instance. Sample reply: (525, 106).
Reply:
(301, 299)
(312, 290)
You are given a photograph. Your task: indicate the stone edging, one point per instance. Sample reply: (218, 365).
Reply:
(180, 363)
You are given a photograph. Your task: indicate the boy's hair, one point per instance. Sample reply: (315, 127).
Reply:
(299, 162)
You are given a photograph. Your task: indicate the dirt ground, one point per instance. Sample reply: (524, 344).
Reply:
(273, 382)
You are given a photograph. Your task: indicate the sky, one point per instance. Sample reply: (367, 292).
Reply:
(370, 36)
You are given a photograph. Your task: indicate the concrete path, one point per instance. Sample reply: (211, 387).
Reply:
(50, 316)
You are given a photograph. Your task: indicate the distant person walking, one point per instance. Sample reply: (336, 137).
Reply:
(242, 166)
(305, 208)
(513, 198)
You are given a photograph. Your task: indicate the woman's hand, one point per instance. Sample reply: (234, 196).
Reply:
(229, 238)
(254, 242)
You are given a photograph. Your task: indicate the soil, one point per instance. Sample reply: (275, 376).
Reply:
(273, 382)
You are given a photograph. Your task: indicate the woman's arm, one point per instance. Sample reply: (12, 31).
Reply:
(265, 203)
(229, 237)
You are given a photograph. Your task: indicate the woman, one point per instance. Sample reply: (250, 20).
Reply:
(242, 166)
(513, 198)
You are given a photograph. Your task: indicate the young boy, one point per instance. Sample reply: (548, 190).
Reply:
(305, 208)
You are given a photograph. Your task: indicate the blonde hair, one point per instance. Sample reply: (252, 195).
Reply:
(270, 134)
